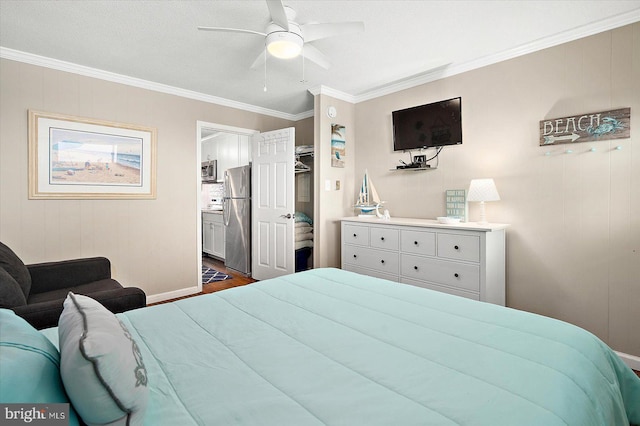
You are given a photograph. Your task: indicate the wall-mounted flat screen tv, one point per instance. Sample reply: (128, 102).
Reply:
(427, 126)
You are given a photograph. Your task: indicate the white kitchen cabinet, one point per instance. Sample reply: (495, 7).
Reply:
(213, 238)
(465, 259)
(229, 149)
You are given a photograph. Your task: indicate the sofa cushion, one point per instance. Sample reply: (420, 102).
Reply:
(10, 292)
(84, 289)
(102, 368)
(16, 268)
(30, 365)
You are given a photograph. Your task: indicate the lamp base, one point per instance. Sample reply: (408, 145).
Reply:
(483, 215)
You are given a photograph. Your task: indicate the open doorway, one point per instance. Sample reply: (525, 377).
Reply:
(226, 143)
(219, 148)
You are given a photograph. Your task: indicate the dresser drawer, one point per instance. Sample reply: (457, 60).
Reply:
(440, 288)
(459, 275)
(383, 238)
(418, 242)
(384, 261)
(354, 234)
(370, 272)
(459, 247)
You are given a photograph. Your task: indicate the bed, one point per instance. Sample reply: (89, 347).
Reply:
(330, 347)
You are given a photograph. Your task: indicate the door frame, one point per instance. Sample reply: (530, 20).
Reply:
(201, 125)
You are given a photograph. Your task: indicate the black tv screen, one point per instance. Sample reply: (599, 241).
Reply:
(428, 126)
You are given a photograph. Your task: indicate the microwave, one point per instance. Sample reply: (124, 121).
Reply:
(209, 171)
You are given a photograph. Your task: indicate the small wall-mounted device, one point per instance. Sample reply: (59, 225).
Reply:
(420, 159)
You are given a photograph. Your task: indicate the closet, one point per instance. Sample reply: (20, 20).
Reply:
(304, 207)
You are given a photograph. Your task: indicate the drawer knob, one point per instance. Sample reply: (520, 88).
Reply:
(382, 238)
(355, 255)
(415, 267)
(415, 242)
(456, 275)
(456, 247)
(355, 235)
(382, 261)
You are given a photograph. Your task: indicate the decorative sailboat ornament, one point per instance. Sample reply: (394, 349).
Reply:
(368, 200)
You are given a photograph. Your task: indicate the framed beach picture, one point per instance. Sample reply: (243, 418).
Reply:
(83, 158)
(338, 142)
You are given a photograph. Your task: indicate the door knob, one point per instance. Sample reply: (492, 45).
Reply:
(286, 216)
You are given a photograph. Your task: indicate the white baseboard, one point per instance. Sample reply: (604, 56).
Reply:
(161, 297)
(631, 360)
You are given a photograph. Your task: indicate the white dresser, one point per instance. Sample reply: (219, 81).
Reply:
(465, 259)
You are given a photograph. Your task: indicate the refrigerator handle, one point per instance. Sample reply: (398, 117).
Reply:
(244, 179)
(225, 212)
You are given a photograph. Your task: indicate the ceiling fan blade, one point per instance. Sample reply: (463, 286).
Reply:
(278, 15)
(259, 60)
(231, 30)
(317, 31)
(314, 55)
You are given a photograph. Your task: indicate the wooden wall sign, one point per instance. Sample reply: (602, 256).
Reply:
(597, 126)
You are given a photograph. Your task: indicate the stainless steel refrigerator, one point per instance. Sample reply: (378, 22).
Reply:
(237, 219)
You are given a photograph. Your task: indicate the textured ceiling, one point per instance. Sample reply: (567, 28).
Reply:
(158, 41)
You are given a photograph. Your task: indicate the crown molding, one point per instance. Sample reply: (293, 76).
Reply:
(303, 115)
(434, 74)
(544, 43)
(325, 90)
(29, 58)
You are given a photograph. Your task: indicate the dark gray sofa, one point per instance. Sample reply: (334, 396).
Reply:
(36, 292)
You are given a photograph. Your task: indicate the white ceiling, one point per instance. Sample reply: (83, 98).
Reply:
(157, 41)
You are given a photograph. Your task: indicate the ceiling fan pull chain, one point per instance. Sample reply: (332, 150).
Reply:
(265, 68)
(303, 58)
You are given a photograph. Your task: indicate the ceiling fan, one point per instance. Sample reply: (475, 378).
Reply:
(285, 38)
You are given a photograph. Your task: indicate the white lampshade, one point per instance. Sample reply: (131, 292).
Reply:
(284, 45)
(483, 190)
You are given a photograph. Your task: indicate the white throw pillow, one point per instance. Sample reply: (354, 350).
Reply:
(100, 364)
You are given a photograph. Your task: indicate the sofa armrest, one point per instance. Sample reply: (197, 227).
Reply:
(68, 273)
(122, 299)
(46, 314)
(41, 315)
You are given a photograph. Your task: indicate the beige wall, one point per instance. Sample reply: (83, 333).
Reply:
(333, 204)
(573, 248)
(151, 243)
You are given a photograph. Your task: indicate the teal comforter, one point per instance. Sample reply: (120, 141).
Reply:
(332, 347)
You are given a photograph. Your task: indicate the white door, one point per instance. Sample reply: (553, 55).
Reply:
(273, 204)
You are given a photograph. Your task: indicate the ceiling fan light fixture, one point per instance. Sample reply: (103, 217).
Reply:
(284, 45)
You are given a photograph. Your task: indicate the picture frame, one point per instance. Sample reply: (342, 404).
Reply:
(338, 145)
(84, 158)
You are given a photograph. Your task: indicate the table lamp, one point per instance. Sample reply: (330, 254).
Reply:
(483, 190)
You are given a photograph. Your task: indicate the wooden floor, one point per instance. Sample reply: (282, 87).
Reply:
(237, 278)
